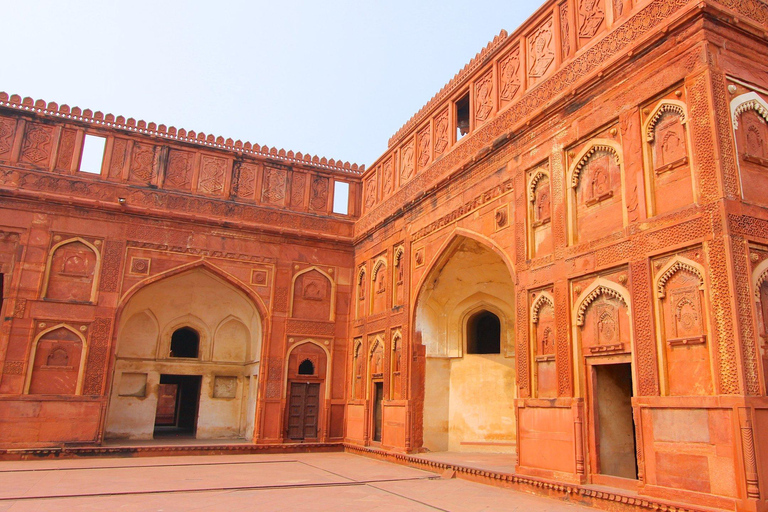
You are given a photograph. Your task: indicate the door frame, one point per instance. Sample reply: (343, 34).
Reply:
(593, 423)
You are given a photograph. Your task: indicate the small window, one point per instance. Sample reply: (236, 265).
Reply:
(93, 154)
(306, 368)
(462, 116)
(483, 333)
(341, 197)
(185, 342)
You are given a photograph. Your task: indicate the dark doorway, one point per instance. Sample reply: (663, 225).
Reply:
(378, 399)
(615, 427)
(303, 410)
(483, 333)
(177, 403)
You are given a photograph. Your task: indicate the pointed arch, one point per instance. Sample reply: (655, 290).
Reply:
(308, 341)
(398, 255)
(745, 102)
(33, 355)
(673, 266)
(600, 286)
(189, 321)
(534, 181)
(330, 280)
(543, 299)
(96, 271)
(663, 107)
(583, 157)
(380, 262)
(445, 251)
(210, 268)
(378, 341)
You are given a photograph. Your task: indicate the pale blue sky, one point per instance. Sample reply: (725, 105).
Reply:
(334, 78)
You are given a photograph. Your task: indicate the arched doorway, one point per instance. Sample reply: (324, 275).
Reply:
(465, 318)
(306, 392)
(187, 358)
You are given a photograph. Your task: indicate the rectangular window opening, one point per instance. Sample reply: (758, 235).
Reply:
(462, 116)
(341, 197)
(93, 154)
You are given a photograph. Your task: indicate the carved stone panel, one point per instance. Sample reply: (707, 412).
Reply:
(246, 181)
(275, 183)
(213, 175)
(71, 273)
(312, 296)
(591, 19)
(66, 149)
(318, 197)
(541, 52)
(142, 164)
(388, 177)
(7, 133)
(598, 194)
(178, 176)
(370, 192)
(442, 132)
(117, 163)
(424, 139)
(484, 98)
(407, 162)
(565, 30)
(509, 76)
(36, 149)
(56, 366)
(298, 189)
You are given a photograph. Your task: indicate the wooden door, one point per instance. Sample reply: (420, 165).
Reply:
(303, 410)
(166, 404)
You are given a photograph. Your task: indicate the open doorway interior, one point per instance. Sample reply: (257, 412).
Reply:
(378, 401)
(177, 405)
(615, 427)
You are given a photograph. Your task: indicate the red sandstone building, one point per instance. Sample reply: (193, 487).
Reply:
(563, 255)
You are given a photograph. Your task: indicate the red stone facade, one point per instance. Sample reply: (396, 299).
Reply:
(596, 181)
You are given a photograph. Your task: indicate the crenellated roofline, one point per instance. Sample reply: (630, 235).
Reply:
(99, 119)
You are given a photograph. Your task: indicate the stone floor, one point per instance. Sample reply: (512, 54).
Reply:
(290, 482)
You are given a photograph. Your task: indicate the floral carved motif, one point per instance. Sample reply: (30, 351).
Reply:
(441, 132)
(142, 163)
(37, 144)
(591, 17)
(7, 131)
(298, 188)
(179, 173)
(246, 181)
(484, 97)
(425, 147)
(388, 177)
(509, 71)
(407, 166)
(319, 194)
(274, 185)
(370, 192)
(541, 55)
(212, 175)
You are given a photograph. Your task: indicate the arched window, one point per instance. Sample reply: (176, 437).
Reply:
(185, 342)
(306, 368)
(483, 333)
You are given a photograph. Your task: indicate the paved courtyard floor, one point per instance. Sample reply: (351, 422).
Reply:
(290, 482)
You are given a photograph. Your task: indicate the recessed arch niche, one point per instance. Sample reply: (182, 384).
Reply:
(468, 398)
(228, 325)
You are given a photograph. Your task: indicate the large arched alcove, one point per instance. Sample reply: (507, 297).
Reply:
(465, 303)
(188, 349)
